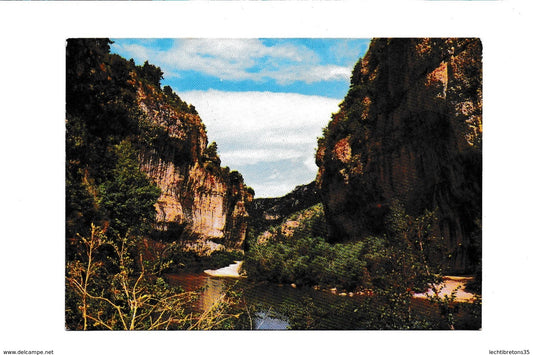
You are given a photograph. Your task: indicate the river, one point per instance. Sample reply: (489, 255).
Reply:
(272, 304)
(278, 307)
(263, 298)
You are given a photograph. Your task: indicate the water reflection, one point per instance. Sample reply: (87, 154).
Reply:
(262, 299)
(211, 289)
(264, 321)
(268, 304)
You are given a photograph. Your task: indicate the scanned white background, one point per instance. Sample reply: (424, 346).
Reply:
(32, 82)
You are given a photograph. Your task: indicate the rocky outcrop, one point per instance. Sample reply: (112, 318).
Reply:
(409, 130)
(269, 212)
(201, 204)
(308, 222)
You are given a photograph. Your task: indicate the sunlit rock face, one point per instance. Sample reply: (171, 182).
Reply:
(409, 130)
(201, 205)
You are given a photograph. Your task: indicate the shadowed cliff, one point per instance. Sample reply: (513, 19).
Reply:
(408, 133)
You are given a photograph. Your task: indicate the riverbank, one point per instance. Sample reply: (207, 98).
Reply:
(449, 285)
(232, 271)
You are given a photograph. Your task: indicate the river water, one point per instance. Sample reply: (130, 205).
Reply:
(264, 298)
(274, 306)
(271, 302)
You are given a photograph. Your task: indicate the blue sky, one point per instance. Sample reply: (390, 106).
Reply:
(264, 101)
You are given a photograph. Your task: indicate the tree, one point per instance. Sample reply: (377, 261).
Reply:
(128, 196)
(212, 150)
(192, 109)
(151, 73)
(211, 154)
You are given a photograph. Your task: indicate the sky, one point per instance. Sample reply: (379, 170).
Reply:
(263, 101)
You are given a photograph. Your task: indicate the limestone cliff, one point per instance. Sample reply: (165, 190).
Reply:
(201, 204)
(120, 120)
(409, 130)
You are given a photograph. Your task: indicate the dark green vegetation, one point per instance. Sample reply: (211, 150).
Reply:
(192, 262)
(377, 312)
(110, 286)
(105, 129)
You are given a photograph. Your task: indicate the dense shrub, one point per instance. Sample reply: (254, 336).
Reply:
(306, 261)
(401, 261)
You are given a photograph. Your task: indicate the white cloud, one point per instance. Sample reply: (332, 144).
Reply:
(256, 129)
(256, 111)
(234, 59)
(309, 73)
(238, 59)
(309, 162)
(247, 155)
(275, 175)
(133, 50)
(258, 133)
(276, 189)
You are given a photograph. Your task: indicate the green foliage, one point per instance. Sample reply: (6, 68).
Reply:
(325, 311)
(109, 286)
(235, 177)
(303, 257)
(177, 102)
(100, 114)
(212, 160)
(192, 262)
(306, 261)
(211, 151)
(128, 196)
(417, 238)
(103, 182)
(109, 283)
(250, 190)
(151, 73)
(192, 109)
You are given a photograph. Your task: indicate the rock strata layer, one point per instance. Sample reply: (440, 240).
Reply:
(201, 204)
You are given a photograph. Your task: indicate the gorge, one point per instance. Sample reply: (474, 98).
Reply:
(396, 202)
